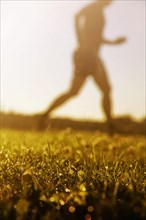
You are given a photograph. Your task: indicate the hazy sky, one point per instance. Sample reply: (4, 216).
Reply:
(38, 39)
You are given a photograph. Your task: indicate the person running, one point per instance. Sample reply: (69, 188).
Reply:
(89, 25)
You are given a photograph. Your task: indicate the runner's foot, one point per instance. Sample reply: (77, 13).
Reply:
(110, 127)
(42, 122)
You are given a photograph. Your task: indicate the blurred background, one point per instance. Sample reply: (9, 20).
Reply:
(37, 41)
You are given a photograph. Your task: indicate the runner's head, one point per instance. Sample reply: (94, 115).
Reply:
(104, 3)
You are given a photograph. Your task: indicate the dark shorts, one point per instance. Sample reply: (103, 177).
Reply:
(85, 62)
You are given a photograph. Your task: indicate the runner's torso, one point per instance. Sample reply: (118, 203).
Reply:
(92, 30)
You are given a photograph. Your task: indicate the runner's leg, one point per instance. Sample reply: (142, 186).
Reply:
(77, 82)
(102, 81)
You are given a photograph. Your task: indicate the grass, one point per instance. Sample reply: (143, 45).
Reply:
(69, 175)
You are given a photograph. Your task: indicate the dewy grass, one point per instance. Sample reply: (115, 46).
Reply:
(71, 175)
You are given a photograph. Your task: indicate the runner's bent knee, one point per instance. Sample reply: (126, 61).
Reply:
(73, 92)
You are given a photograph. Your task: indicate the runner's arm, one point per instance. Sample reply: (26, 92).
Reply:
(119, 40)
(77, 26)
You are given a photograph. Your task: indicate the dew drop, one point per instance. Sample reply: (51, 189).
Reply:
(90, 208)
(72, 209)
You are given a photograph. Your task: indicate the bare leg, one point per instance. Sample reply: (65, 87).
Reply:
(77, 82)
(101, 79)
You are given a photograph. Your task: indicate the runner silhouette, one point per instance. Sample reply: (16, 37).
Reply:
(89, 25)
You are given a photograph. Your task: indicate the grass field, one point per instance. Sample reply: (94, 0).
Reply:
(69, 175)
